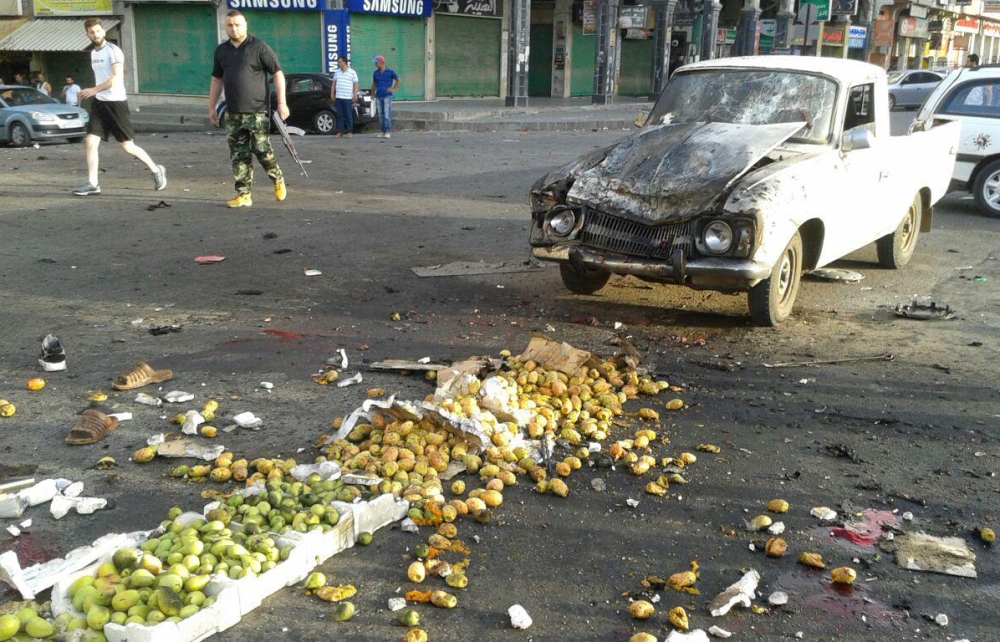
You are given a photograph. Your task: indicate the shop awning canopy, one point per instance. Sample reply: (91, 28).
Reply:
(51, 34)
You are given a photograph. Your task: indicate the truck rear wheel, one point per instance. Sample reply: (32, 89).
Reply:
(894, 250)
(588, 281)
(771, 301)
(987, 189)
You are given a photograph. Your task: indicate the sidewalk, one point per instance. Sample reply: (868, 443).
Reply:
(477, 115)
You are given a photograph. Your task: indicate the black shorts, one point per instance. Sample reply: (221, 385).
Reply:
(110, 118)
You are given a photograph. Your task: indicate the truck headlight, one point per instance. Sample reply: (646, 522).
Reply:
(718, 237)
(560, 221)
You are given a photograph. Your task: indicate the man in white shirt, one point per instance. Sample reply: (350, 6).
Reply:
(109, 115)
(70, 92)
(344, 93)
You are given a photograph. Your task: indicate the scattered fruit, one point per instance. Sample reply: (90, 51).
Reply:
(814, 560)
(36, 383)
(843, 575)
(678, 617)
(775, 547)
(641, 610)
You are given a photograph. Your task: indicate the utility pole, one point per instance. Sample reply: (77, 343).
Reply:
(709, 24)
(518, 37)
(663, 26)
(746, 30)
(605, 56)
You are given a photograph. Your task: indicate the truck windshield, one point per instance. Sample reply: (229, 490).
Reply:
(750, 97)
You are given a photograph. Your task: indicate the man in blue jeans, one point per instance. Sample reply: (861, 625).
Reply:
(385, 81)
(345, 94)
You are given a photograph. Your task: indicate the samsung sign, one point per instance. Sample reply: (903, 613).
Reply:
(412, 8)
(306, 5)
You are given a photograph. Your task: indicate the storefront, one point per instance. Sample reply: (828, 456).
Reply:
(467, 48)
(396, 30)
(175, 44)
(636, 62)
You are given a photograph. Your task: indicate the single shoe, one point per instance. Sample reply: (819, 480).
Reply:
(337, 135)
(53, 356)
(160, 178)
(241, 200)
(380, 135)
(387, 135)
(87, 190)
(280, 191)
(141, 375)
(349, 134)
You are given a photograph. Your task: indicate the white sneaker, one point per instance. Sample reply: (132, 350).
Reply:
(387, 135)
(380, 135)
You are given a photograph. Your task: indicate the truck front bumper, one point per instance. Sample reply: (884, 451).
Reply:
(700, 274)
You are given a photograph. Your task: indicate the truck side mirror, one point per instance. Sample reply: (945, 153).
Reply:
(857, 138)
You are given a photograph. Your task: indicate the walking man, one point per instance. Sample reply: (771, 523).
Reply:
(345, 94)
(385, 82)
(71, 91)
(109, 115)
(242, 64)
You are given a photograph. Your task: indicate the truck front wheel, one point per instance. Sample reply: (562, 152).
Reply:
(587, 281)
(894, 250)
(987, 189)
(772, 300)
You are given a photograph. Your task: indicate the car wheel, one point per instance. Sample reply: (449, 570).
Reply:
(18, 135)
(772, 300)
(894, 250)
(324, 122)
(987, 189)
(892, 102)
(588, 281)
(76, 139)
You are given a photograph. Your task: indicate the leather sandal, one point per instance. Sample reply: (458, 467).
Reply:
(141, 375)
(91, 425)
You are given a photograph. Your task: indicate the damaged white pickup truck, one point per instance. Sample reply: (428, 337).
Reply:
(747, 172)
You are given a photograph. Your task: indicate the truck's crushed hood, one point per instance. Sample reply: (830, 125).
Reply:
(673, 172)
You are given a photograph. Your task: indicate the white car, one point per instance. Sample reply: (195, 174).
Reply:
(971, 96)
(748, 172)
(911, 88)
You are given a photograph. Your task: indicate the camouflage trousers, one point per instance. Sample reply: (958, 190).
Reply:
(248, 133)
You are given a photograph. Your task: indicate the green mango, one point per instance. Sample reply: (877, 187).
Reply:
(9, 626)
(169, 601)
(39, 628)
(97, 617)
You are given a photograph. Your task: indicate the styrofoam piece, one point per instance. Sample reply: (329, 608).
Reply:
(44, 491)
(13, 506)
(60, 505)
(374, 514)
(325, 469)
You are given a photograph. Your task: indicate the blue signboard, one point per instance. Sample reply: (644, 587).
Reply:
(276, 5)
(856, 37)
(412, 8)
(336, 38)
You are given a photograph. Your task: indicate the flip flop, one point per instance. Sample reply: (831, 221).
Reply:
(141, 375)
(91, 425)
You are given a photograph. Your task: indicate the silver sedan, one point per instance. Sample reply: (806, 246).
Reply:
(911, 88)
(28, 115)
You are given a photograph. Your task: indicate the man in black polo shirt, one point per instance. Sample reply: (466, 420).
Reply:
(242, 64)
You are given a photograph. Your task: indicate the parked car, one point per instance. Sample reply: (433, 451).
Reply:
(747, 173)
(309, 104)
(971, 96)
(27, 115)
(911, 88)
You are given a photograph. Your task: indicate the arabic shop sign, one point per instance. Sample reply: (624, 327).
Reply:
(482, 8)
(72, 7)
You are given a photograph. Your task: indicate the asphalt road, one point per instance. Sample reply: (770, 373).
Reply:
(917, 433)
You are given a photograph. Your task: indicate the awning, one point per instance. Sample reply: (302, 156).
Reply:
(8, 25)
(51, 34)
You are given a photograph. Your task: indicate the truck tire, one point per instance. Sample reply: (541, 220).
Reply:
(18, 135)
(894, 250)
(987, 189)
(772, 300)
(587, 282)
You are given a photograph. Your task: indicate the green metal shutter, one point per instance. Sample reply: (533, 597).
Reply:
(296, 36)
(584, 52)
(540, 60)
(636, 67)
(467, 56)
(174, 47)
(401, 40)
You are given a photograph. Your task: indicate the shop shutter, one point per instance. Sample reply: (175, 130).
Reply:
(584, 51)
(636, 67)
(296, 36)
(540, 60)
(401, 40)
(174, 47)
(466, 56)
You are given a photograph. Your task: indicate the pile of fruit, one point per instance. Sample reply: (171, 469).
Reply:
(288, 506)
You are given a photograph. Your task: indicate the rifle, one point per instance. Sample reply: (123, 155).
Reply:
(284, 131)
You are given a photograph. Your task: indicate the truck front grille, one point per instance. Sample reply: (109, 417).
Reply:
(604, 232)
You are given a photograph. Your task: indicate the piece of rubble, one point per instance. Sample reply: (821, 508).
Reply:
(742, 592)
(73, 490)
(148, 400)
(823, 513)
(778, 598)
(923, 552)
(632, 502)
(397, 603)
(356, 379)
(248, 420)
(178, 396)
(598, 484)
(719, 632)
(691, 636)
(60, 505)
(941, 619)
(409, 526)
(192, 419)
(266, 385)
(14, 530)
(907, 516)
(519, 618)
(777, 528)
(122, 416)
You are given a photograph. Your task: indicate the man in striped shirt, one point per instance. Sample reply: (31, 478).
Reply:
(345, 94)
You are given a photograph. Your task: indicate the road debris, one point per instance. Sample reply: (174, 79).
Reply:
(812, 560)
(209, 259)
(691, 636)
(741, 592)
(925, 312)
(519, 618)
(61, 505)
(843, 575)
(311, 272)
(823, 513)
(836, 274)
(148, 400)
(470, 268)
(778, 598)
(923, 552)
(356, 379)
(719, 632)
(178, 396)
(248, 420)
(941, 619)
(885, 356)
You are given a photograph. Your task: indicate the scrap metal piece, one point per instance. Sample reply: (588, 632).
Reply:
(924, 312)
(837, 274)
